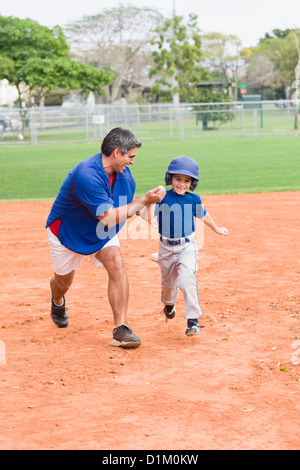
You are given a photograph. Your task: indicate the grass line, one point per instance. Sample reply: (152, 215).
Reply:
(226, 166)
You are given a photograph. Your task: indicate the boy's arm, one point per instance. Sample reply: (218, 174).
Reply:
(208, 220)
(148, 214)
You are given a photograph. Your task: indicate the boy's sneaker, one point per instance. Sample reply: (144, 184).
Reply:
(59, 314)
(124, 337)
(193, 328)
(169, 312)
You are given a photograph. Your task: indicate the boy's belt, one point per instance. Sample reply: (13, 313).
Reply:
(175, 241)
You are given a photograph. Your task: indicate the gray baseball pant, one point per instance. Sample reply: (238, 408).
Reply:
(178, 265)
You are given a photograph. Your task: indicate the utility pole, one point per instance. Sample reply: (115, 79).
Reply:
(176, 98)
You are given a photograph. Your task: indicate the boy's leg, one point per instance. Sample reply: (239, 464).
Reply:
(169, 275)
(187, 282)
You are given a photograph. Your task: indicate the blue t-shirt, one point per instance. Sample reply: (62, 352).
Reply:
(176, 214)
(85, 195)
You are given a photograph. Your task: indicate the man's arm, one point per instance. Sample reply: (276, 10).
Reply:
(117, 215)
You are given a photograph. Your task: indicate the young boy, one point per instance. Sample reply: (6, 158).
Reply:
(178, 252)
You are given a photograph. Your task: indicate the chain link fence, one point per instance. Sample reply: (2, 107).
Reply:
(156, 121)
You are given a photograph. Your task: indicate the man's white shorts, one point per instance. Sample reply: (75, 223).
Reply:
(64, 260)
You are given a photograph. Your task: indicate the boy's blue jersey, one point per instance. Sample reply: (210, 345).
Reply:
(176, 214)
(85, 195)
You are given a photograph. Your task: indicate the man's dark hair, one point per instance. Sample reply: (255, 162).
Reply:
(119, 138)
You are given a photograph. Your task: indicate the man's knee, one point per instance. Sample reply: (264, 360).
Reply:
(112, 259)
(117, 267)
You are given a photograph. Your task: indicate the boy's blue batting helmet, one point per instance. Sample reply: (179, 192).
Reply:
(183, 166)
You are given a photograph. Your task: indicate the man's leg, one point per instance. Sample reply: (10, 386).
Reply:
(118, 287)
(60, 285)
(118, 293)
(64, 262)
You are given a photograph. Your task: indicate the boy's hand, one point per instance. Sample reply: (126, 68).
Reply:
(154, 195)
(222, 231)
(160, 191)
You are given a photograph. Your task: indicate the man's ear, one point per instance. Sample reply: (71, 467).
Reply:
(116, 153)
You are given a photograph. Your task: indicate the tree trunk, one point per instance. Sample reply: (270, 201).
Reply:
(23, 112)
(297, 81)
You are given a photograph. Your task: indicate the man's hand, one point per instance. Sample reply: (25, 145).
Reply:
(116, 215)
(154, 195)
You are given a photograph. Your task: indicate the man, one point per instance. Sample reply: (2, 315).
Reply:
(95, 200)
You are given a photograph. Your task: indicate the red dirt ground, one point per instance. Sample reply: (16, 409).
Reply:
(236, 386)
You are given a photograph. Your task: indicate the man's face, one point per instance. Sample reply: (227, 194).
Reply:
(124, 160)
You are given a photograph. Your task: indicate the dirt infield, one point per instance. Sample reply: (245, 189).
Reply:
(237, 386)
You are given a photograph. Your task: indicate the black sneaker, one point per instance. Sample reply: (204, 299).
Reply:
(59, 314)
(193, 328)
(124, 337)
(169, 312)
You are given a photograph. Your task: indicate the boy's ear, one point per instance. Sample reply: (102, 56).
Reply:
(168, 179)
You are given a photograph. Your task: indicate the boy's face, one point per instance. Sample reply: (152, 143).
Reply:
(181, 184)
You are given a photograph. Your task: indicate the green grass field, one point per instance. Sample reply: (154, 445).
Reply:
(230, 165)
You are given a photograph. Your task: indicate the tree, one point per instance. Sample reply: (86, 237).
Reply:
(218, 114)
(272, 63)
(118, 40)
(276, 33)
(36, 59)
(177, 56)
(50, 73)
(260, 75)
(223, 53)
(296, 83)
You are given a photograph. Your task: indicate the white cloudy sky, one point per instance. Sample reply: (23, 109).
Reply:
(248, 19)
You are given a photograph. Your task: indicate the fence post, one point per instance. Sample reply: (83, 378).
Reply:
(181, 124)
(33, 130)
(171, 120)
(138, 117)
(243, 120)
(86, 124)
(255, 121)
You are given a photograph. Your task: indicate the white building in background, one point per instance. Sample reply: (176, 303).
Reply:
(8, 93)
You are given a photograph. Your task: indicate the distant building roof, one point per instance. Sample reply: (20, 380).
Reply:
(206, 84)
